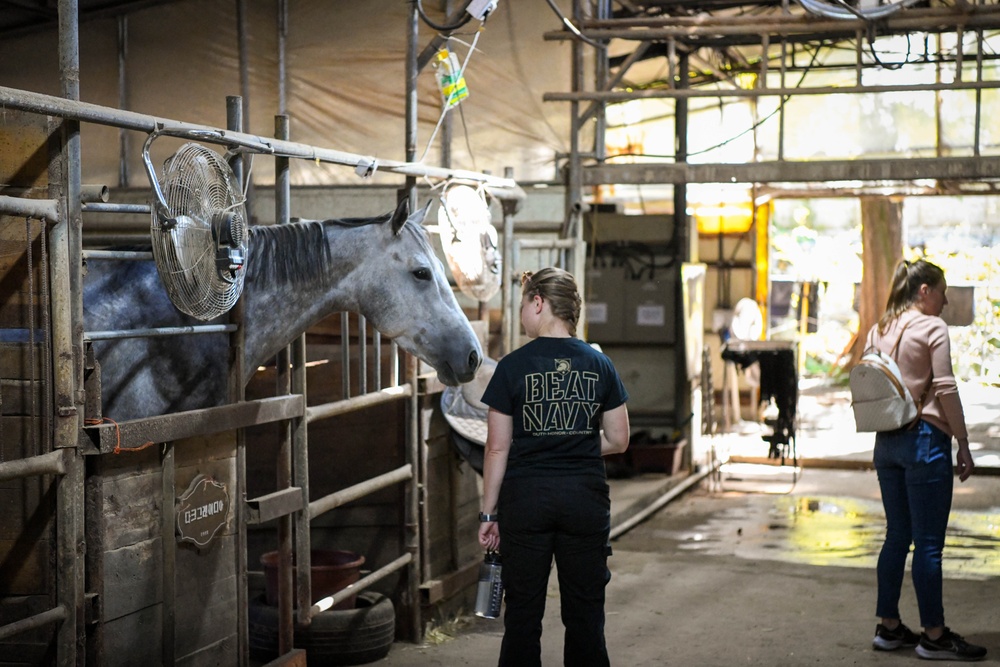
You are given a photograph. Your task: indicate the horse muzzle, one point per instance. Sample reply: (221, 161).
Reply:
(452, 375)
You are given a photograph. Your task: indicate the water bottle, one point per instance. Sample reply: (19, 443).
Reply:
(450, 79)
(489, 593)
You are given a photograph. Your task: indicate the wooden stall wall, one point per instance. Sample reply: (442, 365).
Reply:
(27, 529)
(450, 520)
(144, 578)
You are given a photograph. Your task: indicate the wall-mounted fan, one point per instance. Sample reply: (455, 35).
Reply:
(748, 321)
(469, 241)
(198, 230)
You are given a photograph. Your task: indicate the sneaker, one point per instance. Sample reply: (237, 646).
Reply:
(890, 640)
(949, 646)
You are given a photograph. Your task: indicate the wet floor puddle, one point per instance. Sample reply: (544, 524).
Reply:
(835, 531)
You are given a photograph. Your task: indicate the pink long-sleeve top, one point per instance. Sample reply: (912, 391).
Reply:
(924, 359)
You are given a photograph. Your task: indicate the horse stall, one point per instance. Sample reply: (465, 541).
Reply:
(164, 500)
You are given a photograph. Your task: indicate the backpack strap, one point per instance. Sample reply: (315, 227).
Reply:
(923, 396)
(895, 348)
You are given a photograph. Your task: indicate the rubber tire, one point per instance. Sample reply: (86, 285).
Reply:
(335, 637)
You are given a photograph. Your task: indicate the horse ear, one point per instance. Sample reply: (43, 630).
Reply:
(419, 216)
(400, 215)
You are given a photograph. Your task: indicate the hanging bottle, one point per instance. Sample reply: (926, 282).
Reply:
(450, 79)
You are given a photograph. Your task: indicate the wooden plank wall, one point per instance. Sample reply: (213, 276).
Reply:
(126, 559)
(452, 498)
(27, 507)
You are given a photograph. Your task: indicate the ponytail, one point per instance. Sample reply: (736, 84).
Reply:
(905, 288)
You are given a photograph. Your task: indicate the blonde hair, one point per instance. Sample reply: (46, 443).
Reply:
(558, 287)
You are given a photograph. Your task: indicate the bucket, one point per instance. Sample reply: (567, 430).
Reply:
(331, 571)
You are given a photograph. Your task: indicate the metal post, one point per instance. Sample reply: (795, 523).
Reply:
(300, 471)
(574, 184)
(345, 354)
(979, 94)
(507, 276)
(66, 351)
(286, 628)
(282, 63)
(362, 355)
(237, 393)
(411, 511)
(122, 99)
(412, 70)
(243, 49)
(601, 69)
(682, 393)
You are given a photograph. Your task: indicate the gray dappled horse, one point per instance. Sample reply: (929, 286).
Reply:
(297, 274)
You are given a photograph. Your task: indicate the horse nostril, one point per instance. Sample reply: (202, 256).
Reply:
(474, 360)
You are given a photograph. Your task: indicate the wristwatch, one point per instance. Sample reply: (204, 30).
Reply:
(485, 518)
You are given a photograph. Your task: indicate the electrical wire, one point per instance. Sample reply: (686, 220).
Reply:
(468, 143)
(731, 139)
(446, 107)
(849, 12)
(572, 28)
(437, 26)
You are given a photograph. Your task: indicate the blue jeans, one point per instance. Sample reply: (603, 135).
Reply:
(915, 474)
(567, 518)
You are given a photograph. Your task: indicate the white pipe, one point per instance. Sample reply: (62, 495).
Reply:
(661, 502)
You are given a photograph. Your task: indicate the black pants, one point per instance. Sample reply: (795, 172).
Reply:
(568, 518)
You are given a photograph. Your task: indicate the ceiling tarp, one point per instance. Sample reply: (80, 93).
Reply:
(345, 83)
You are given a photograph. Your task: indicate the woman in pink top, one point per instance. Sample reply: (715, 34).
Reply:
(914, 464)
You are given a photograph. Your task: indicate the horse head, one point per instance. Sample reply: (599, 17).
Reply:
(407, 297)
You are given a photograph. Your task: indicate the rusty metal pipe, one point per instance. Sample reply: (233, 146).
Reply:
(41, 209)
(32, 102)
(53, 463)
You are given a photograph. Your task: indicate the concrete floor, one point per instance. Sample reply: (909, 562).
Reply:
(768, 565)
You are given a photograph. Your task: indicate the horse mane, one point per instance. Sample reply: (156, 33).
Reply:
(298, 251)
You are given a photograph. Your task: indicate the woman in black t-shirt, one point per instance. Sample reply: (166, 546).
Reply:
(557, 406)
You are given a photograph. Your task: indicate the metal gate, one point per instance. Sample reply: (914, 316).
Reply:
(61, 468)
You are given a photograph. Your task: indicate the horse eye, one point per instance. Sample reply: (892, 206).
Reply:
(422, 274)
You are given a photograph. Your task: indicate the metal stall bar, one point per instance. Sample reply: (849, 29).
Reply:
(122, 255)
(360, 490)
(41, 209)
(286, 551)
(412, 489)
(117, 208)
(54, 615)
(403, 474)
(235, 119)
(108, 437)
(67, 349)
(361, 584)
(300, 477)
(159, 332)
(53, 463)
(85, 112)
(326, 410)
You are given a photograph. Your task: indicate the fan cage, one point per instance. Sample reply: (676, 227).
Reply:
(469, 241)
(198, 190)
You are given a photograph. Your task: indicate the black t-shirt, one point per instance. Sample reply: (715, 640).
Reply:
(555, 389)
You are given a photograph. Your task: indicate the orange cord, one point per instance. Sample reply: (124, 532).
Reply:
(118, 436)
